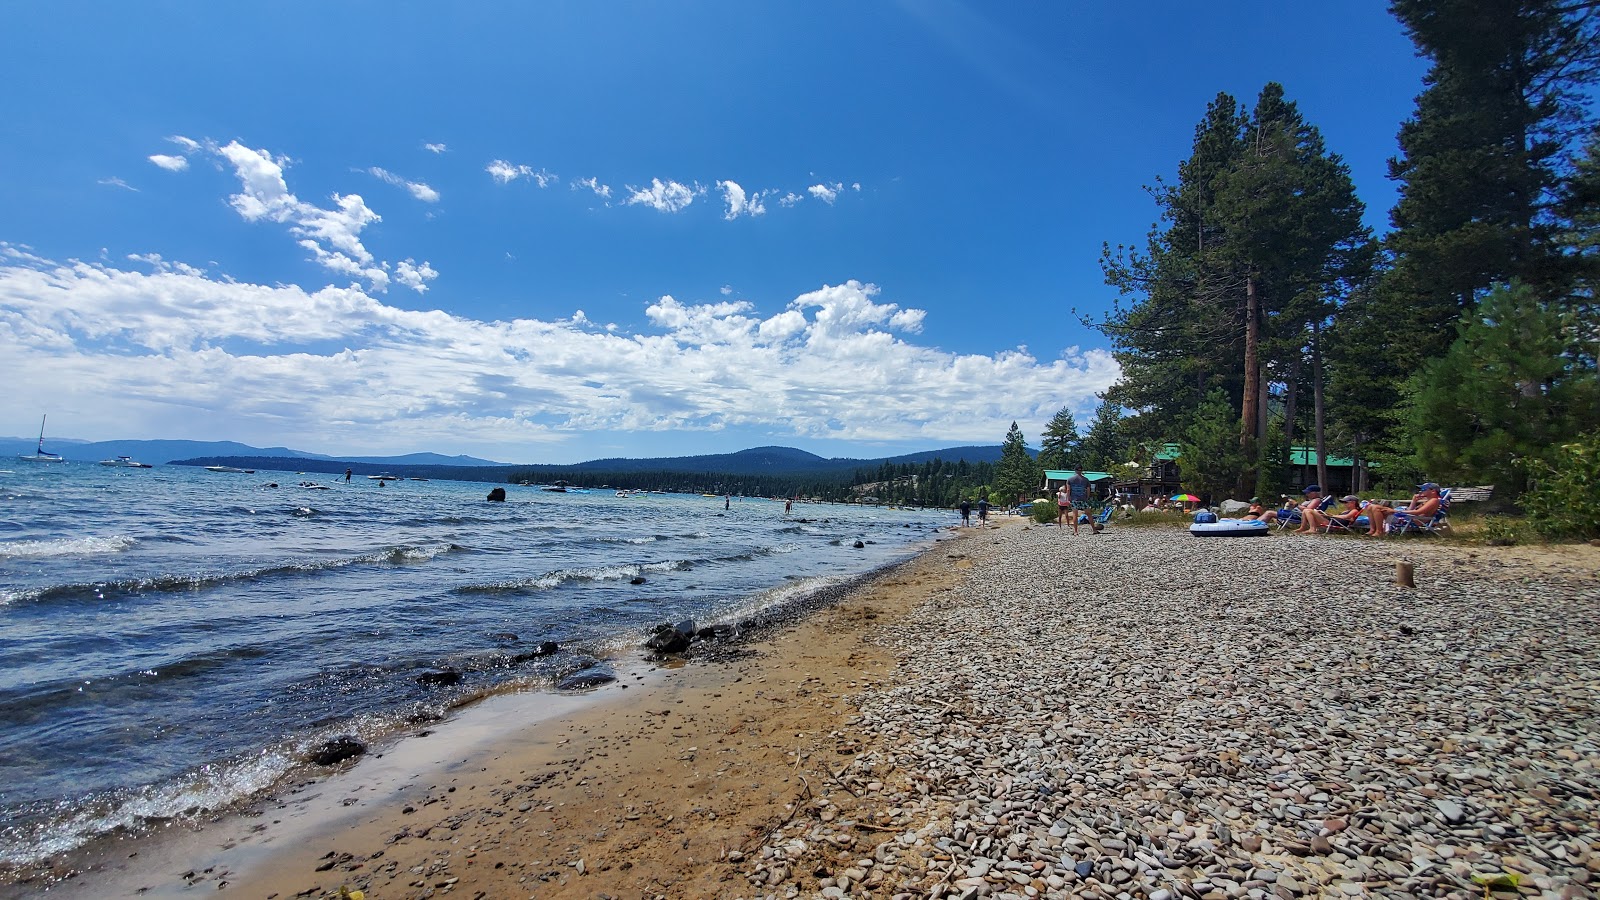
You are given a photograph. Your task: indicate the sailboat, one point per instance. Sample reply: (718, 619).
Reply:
(41, 456)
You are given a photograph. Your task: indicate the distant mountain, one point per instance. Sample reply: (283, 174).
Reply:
(755, 461)
(160, 452)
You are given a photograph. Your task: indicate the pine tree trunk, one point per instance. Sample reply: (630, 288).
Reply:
(1252, 369)
(1317, 406)
(1291, 399)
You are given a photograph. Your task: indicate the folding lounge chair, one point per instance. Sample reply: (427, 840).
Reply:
(1292, 519)
(1402, 522)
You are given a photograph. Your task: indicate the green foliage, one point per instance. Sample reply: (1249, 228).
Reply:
(1210, 461)
(1044, 511)
(1565, 501)
(1504, 531)
(1017, 475)
(1272, 469)
(1104, 447)
(1059, 444)
(1509, 389)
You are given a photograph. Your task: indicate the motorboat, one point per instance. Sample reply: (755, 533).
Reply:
(42, 455)
(230, 469)
(125, 462)
(384, 477)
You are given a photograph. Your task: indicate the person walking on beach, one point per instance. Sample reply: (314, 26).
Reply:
(983, 512)
(966, 514)
(1078, 493)
(1063, 506)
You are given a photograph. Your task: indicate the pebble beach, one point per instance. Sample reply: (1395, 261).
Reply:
(1023, 713)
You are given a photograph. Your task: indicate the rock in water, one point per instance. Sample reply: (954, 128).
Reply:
(581, 681)
(337, 750)
(858, 545)
(439, 679)
(637, 579)
(498, 495)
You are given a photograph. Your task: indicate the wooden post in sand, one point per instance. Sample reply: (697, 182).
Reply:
(1404, 575)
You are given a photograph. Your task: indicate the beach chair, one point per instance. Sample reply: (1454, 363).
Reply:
(1403, 523)
(1358, 526)
(1293, 517)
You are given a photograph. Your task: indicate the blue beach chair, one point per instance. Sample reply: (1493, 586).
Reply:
(1292, 517)
(1404, 523)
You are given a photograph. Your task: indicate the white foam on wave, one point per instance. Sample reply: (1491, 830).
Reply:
(77, 546)
(210, 788)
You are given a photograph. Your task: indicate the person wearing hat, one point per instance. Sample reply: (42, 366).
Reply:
(1352, 511)
(1310, 509)
(1260, 513)
(1424, 503)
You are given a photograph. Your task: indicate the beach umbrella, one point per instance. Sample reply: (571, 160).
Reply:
(1185, 498)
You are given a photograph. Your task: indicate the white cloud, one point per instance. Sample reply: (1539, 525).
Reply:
(435, 148)
(331, 235)
(413, 276)
(827, 194)
(506, 172)
(150, 350)
(593, 184)
(117, 182)
(170, 163)
(789, 199)
(418, 189)
(739, 203)
(669, 197)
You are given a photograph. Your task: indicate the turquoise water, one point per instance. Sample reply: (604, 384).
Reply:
(176, 639)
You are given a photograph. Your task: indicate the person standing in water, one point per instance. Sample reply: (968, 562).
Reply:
(966, 513)
(346, 474)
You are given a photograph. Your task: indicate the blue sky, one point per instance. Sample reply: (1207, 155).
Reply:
(558, 231)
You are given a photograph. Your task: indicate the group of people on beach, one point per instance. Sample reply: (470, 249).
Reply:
(1315, 513)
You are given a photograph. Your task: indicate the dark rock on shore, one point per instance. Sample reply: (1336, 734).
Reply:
(498, 495)
(439, 679)
(582, 681)
(671, 638)
(337, 750)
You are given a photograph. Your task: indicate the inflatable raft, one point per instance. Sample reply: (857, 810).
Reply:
(1230, 528)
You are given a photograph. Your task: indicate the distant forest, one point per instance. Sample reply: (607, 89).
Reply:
(930, 482)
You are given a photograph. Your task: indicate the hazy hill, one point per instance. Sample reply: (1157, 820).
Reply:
(158, 452)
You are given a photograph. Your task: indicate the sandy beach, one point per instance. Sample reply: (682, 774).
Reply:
(1015, 713)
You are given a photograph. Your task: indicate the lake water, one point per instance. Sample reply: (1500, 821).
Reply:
(176, 639)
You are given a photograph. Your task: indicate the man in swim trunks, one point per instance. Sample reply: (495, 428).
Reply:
(1078, 493)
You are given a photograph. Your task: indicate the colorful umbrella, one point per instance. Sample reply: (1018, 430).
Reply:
(1185, 498)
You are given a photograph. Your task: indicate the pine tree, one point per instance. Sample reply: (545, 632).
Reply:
(1209, 461)
(1509, 390)
(1058, 446)
(1016, 476)
(1105, 445)
(1481, 159)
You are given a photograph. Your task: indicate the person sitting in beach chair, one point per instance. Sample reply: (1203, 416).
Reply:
(1425, 512)
(1350, 520)
(1305, 517)
(1260, 513)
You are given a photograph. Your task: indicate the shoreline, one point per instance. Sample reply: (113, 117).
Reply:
(248, 835)
(1019, 713)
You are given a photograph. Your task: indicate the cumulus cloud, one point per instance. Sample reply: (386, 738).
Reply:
(740, 203)
(418, 189)
(435, 148)
(147, 348)
(170, 163)
(331, 235)
(826, 193)
(789, 199)
(507, 172)
(668, 197)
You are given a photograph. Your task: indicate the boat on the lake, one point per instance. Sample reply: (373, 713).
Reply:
(42, 455)
(384, 477)
(230, 469)
(125, 462)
